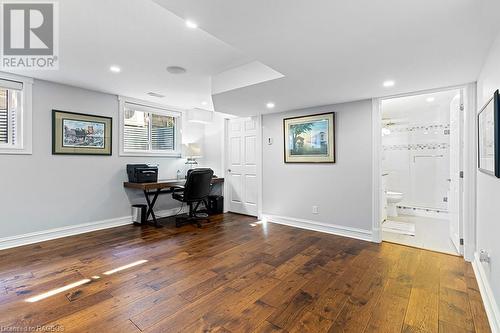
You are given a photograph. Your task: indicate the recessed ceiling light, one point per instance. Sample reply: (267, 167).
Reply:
(176, 70)
(190, 24)
(115, 69)
(430, 99)
(389, 83)
(270, 105)
(204, 103)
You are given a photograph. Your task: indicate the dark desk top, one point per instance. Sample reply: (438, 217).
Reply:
(161, 184)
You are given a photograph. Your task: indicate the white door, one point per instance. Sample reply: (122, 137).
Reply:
(455, 199)
(242, 180)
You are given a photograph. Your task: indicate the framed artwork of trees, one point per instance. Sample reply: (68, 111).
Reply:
(310, 139)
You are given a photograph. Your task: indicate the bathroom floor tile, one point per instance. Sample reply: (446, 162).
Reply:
(430, 233)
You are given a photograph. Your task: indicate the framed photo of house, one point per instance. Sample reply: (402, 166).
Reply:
(489, 137)
(310, 139)
(81, 134)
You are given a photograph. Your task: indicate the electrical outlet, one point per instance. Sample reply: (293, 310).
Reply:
(315, 210)
(484, 256)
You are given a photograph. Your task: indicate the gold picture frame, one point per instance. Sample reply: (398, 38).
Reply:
(310, 139)
(81, 134)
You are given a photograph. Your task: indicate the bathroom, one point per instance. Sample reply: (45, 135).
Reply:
(421, 159)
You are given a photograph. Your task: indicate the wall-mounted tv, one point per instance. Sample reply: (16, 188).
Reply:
(489, 136)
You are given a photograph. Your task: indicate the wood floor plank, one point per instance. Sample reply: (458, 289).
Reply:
(454, 308)
(250, 318)
(422, 314)
(388, 315)
(283, 292)
(332, 300)
(359, 307)
(230, 276)
(157, 312)
(481, 323)
(311, 322)
(267, 327)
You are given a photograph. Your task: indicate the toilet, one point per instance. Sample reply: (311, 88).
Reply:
(392, 199)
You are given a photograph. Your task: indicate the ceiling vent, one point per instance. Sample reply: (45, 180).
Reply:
(153, 94)
(176, 70)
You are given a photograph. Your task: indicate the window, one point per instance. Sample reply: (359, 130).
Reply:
(149, 130)
(15, 115)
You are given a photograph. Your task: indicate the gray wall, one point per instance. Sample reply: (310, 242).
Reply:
(343, 191)
(488, 187)
(44, 191)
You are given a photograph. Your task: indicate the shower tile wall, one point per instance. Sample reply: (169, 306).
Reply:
(416, 156)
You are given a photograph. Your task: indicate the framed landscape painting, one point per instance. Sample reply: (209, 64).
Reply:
(489, 136)
(81, 134)
(310, 139)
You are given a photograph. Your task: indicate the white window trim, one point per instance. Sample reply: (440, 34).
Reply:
(158, 109)
(25, 139)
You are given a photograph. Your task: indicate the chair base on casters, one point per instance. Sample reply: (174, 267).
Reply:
(193, 217)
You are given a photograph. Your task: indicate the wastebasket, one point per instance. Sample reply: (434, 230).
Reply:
(215, 204)
(139, 214)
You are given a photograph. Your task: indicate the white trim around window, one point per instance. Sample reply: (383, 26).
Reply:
(24, 129)
(157, 109)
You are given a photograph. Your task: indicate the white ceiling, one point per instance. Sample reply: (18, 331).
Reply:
(243, 76)
(333, 51)
(329, 51)
(419, 106)
(143, 39)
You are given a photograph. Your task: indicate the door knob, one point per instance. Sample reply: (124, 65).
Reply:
(228, 170)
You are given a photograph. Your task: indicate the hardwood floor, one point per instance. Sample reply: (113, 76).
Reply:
(234, 275)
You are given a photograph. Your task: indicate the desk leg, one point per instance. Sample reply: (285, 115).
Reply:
(151, 205)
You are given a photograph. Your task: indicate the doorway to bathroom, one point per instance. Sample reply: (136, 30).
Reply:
(421, 161)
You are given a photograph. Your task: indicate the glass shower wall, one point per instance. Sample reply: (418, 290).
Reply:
(416, 157)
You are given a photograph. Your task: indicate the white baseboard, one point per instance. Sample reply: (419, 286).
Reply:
(339, 230)
(490, 304)
(45, 235)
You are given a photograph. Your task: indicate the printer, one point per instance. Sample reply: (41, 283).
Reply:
(142, 173)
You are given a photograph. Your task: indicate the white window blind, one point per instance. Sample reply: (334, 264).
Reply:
(4, 117)
(10, 112)
(147, 129)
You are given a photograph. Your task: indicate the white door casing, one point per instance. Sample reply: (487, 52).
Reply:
(242, 165)
(455, 199)
(468, 160)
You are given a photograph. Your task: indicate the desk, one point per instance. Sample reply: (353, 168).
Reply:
(157, 188)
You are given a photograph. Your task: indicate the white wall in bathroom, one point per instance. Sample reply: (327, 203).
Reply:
(416, 152)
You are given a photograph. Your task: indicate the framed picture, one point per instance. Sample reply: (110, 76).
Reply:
(489, 137)
(310, 139)
(81, 134)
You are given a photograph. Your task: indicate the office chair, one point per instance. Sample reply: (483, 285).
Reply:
(194, 192)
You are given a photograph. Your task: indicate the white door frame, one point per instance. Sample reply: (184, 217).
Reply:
(259, 164)
(468, 210)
